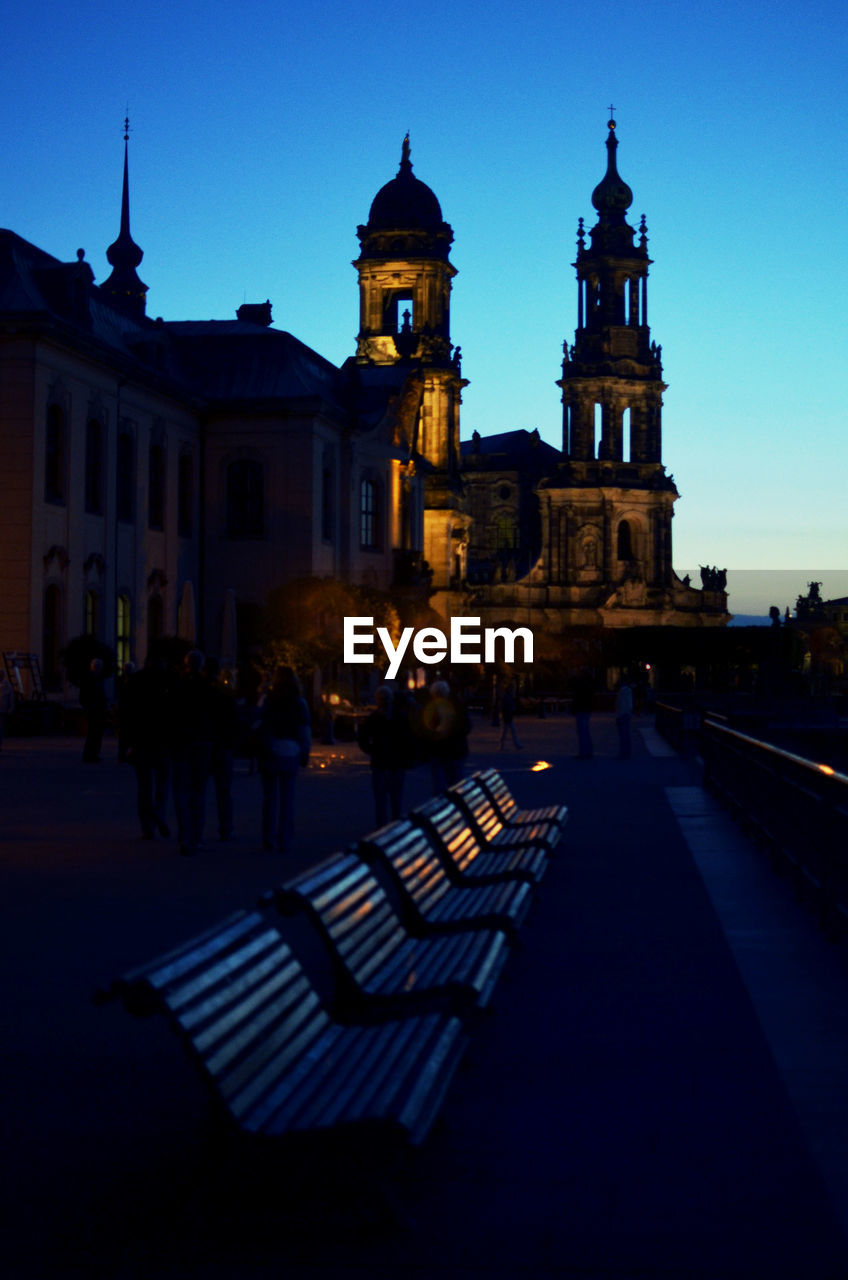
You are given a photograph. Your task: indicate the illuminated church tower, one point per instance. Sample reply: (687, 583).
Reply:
(404, 287)
(598, 543)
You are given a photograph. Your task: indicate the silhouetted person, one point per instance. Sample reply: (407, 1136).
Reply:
(284, 740)
(582, 705)
(225, 729)
(7, 703)
(192, 717)
(384, 736)
(623, 716)
(445, 725)
(95, 706)
(145, 729)
(508, 706)
(123, 684)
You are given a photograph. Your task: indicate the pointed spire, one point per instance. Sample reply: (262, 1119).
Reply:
(124, 255)
(612, 197)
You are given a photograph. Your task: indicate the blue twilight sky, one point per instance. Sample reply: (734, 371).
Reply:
(262, 131)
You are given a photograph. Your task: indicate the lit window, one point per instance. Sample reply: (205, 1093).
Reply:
(122, 631)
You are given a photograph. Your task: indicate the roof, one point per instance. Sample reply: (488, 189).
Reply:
(230, 360)
(405, 202)
(511, 450)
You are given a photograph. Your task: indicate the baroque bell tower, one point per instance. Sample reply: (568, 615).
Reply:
(405, 279)
(610, 505)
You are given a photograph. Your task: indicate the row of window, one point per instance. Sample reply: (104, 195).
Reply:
(55, 475)
(245, 486)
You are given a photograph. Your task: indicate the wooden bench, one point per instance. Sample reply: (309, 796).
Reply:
(377, 964)
(276, 1061)
(430, 902)
(466, 856)
(504, 801)
(484, 817)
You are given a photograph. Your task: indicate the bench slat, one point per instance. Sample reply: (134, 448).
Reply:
(373, 962)
(278, 1063)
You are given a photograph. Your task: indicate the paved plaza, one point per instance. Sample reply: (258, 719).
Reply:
(658, 1090)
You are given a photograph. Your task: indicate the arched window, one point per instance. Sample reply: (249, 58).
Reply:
(156, 487)
(185, 495)
(52, 637)
(122, 630)
(506, 534)
(91, 608)
(370, 515)
(155, 619)
(625, 543)
(54, 455)
(125, 477)
(94, 467)
(245, 499)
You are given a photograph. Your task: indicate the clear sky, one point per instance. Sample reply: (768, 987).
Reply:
(262, 131)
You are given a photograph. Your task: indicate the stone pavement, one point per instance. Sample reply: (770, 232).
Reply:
(643, 1100)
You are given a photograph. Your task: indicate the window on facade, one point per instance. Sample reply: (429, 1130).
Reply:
(155, 619)
(327, 504)
(625, 543)
(122, 631)
(156, 487)
(506, 534)
(52, 637)
(54, 455)
(91, 606)
(125, 477)
(245, 499)
(369, 516)
(185, 495)
(94, 467)
(398, 312)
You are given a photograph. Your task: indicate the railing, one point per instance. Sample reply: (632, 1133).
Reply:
(679, 725)
(798, 809)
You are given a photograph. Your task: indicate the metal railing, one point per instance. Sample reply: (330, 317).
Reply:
(796, 808)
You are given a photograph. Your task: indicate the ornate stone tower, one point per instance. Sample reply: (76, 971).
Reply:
(605, 509)
(404, 290)
(613, 522)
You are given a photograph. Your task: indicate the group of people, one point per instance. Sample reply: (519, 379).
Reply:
(180, 731)
(406, 729)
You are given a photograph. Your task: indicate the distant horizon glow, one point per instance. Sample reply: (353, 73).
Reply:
(260, 135)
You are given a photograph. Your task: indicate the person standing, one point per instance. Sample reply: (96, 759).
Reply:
(144, 728)
(384, 737)
(623, 717)
(581, 706)
(284, 740)
(225, 728)
(508, 705)
(445, 726)
(191, 716)
(95, 706)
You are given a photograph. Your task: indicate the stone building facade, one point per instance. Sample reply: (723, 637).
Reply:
(163, 477)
